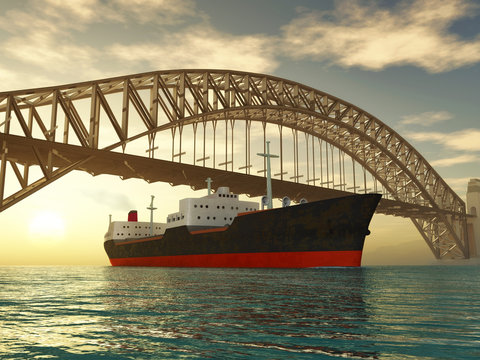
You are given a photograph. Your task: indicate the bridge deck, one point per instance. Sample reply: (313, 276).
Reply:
(20, 150)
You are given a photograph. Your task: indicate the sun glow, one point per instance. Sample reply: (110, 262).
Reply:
(47, 224)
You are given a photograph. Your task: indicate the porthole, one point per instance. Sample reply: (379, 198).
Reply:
(237, 208)
(201, 206)
(224, 218)
(214, 218)
(195, 205)
(218, 206)
(208, 217)
(231, 219)
(198, 217)
(223, 206)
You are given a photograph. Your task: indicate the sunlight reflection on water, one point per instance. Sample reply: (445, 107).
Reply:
(151, 313)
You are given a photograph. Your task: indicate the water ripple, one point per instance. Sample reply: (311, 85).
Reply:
(143, 313)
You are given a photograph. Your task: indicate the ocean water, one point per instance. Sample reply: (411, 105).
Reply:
(171, 313)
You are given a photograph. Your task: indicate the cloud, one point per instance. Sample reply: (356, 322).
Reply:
(46, 37)
(464, 140)
(201, 47)
(110, 199)
(366, 36)
(162, 12)
(427, 118)
(12, 80)
(45, 51)
(461, 159)
(58, 15)
(460, 185)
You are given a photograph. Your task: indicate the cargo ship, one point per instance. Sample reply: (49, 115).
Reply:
(220, 230)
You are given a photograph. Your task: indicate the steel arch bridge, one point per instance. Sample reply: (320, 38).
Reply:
(124, 126)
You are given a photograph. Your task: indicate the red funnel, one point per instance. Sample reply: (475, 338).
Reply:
(132, 215)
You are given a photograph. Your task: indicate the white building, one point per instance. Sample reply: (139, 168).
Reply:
(473, 208)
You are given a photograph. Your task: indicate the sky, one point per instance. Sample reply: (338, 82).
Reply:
(415, 65)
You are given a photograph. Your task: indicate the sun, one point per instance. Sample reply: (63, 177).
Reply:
(47, 224)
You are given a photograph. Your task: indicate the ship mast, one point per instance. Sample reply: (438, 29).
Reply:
(209, 182)
(269, 175)
(151, 208)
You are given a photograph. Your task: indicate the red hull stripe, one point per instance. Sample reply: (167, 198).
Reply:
(305, 259)
(209, 230)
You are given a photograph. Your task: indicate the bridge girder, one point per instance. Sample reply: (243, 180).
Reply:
(180, 98)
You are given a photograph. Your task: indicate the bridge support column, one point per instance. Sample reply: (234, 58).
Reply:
(447, 238)
(473, 207)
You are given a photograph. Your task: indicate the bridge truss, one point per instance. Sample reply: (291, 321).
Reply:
(167, 125)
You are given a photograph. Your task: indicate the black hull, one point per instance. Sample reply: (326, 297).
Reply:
(335, 225)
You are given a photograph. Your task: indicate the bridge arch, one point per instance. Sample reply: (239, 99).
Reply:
(180, 98)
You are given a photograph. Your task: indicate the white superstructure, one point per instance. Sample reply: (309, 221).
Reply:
(124, 230)
(215, 210)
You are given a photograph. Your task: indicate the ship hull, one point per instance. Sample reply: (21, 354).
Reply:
(323, 233)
